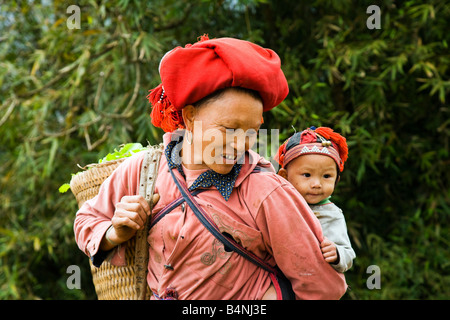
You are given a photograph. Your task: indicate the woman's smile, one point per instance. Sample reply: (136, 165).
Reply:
(229, 157)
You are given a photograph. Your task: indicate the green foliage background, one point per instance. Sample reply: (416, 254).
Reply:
(68, 97)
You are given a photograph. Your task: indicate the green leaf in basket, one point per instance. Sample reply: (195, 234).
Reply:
(64, 188)
(127, 150)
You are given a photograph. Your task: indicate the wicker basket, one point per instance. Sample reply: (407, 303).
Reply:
(85, 185)
(111, 282)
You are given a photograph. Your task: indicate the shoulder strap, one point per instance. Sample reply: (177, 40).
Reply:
(167, 209)
(212, 227)
(149, 172)
(259, 169)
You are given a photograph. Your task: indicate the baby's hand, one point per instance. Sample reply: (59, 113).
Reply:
(329, 251)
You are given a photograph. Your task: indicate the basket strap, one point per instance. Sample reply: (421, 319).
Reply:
(149, 172)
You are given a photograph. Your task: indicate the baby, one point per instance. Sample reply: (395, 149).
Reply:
(312, 161)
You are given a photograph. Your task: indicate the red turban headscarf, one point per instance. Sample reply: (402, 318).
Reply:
(191, 73)
(322, 140)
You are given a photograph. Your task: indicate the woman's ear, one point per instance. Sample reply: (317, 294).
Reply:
(188, 114)
(283, 173)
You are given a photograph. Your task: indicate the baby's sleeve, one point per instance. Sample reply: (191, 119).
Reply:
(335, 229)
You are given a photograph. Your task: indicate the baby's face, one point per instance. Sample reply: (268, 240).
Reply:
(313, 175)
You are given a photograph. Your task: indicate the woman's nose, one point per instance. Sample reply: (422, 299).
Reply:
(239, 141)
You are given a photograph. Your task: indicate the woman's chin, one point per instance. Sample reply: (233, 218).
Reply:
(223, 168)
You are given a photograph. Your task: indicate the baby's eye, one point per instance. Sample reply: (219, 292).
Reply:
(307, 175)
(326, 176)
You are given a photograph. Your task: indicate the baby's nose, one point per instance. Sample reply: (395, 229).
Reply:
(315, 183)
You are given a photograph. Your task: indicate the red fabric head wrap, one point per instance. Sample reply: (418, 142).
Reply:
(191, 73)
(322, 140)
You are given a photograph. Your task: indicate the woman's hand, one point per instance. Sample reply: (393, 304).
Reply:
(329, 251)
(130, 215)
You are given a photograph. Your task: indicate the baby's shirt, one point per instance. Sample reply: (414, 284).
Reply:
(334, 228)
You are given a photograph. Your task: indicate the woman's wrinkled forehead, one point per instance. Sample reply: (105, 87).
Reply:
(233, 109)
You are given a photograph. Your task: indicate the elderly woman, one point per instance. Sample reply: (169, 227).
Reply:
(215, 91)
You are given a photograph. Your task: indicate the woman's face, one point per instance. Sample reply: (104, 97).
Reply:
(222, 130)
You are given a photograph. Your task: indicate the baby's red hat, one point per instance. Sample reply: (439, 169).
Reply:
(322, 140)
